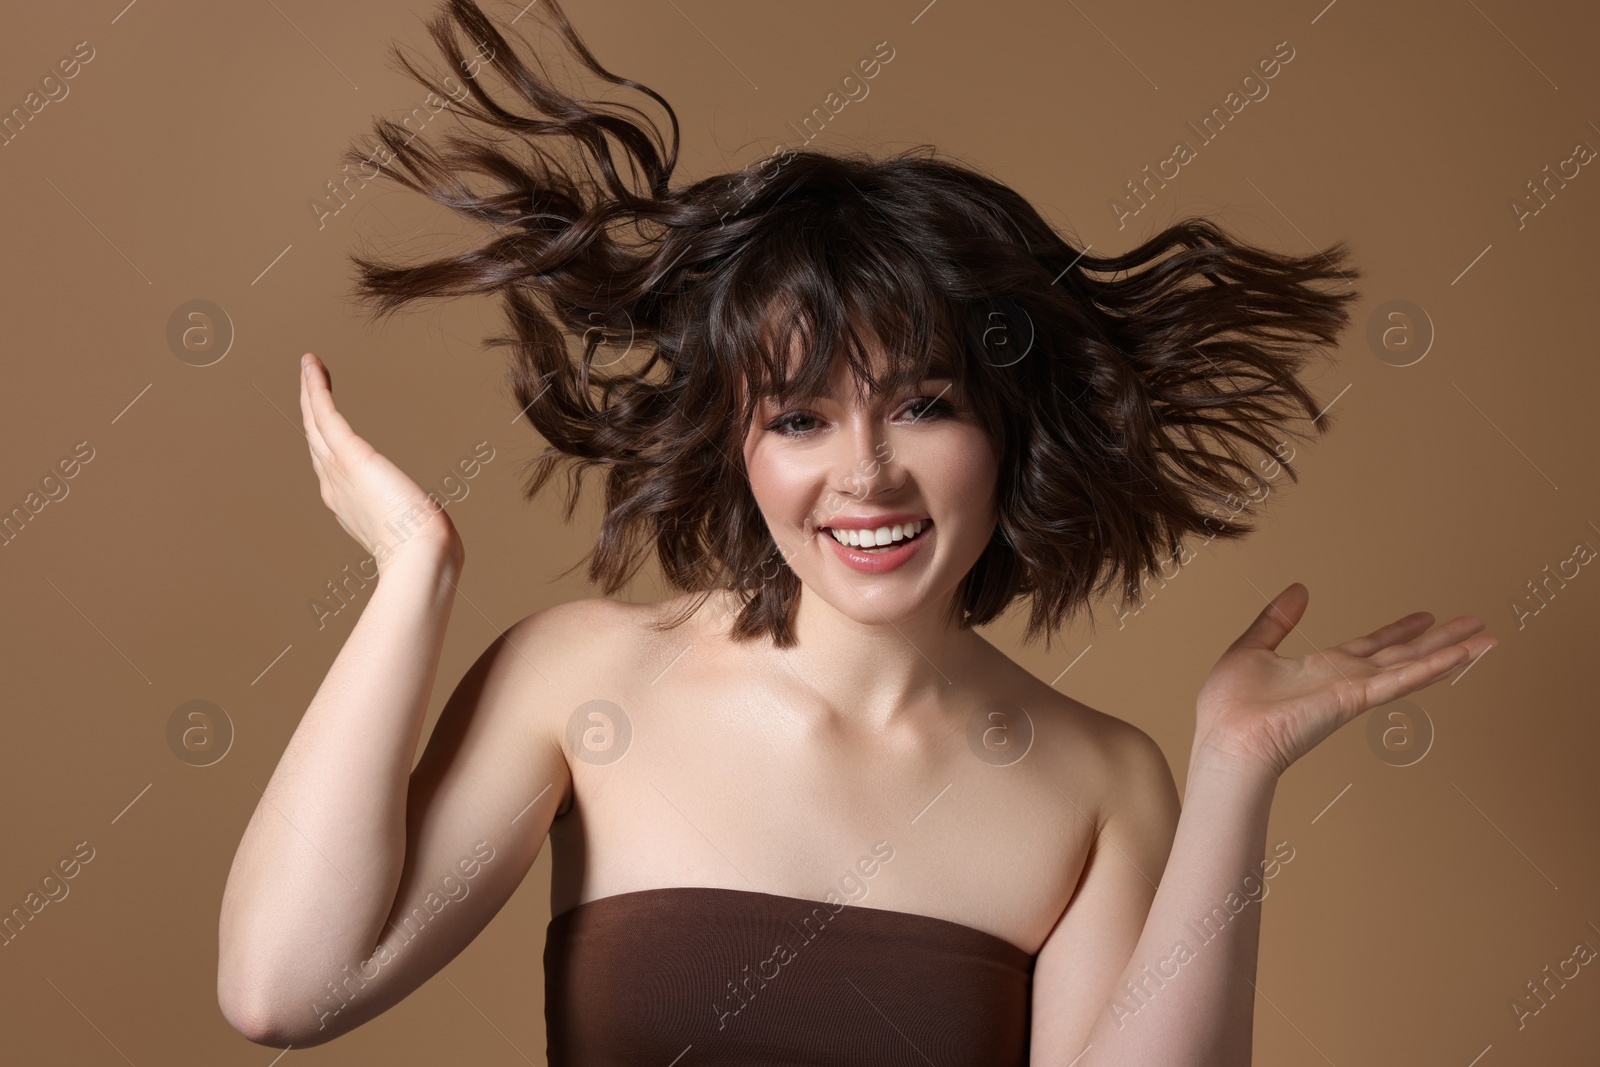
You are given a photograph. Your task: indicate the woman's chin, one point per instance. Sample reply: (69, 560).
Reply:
(877, 606)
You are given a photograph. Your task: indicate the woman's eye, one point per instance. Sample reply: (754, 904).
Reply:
(924, 407)
(785, 424)
(802, 423)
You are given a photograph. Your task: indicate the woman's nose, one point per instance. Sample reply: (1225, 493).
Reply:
(862, 460)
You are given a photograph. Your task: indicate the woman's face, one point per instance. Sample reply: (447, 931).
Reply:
(914, 470)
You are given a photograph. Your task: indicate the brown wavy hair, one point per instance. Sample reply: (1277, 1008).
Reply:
(1127, 395)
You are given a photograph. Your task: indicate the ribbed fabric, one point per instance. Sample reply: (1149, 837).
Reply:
(691, 976)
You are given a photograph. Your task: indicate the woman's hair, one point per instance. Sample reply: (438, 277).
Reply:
(1127, 396)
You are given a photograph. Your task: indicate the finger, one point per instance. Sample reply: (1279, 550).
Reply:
(1276, 619)
(333, 431)
(1399, 630)
(1449, 633)
(307, 422)
(1396, 682)
(308, 419)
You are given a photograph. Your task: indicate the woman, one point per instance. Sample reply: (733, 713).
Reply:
(857, 408)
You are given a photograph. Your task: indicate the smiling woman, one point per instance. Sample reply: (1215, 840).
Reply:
(842, 474)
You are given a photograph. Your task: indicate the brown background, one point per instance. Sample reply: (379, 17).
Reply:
(181, 564)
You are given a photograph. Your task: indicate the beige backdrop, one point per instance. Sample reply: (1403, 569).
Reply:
(181, 562)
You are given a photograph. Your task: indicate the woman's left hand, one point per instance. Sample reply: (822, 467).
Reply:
(1267, 709)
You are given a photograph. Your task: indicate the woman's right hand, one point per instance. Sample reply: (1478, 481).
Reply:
(373, 500)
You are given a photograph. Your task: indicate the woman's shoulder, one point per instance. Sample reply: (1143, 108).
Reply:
(591, 638)
(588, 626)
(1106, 766)
(1074, 729)
(573, 621)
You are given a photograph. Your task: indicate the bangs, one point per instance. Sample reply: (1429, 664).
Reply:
(835, 282)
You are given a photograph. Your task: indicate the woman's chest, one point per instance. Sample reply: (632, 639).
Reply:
(747, 788)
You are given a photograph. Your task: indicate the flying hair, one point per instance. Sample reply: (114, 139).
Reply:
(1129, 397)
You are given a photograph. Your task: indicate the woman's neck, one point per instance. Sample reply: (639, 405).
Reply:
(879, 672)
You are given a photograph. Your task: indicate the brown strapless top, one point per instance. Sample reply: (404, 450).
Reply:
(690, 976)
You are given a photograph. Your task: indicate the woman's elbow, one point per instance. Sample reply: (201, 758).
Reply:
(263, 1019)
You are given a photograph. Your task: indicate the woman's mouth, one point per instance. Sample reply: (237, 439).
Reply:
(877, 549)
(881, 538)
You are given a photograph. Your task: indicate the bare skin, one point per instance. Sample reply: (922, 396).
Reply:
(740, 776)
(753, 768)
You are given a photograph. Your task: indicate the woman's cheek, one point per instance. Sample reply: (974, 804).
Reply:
(782, 486)
(967, 467)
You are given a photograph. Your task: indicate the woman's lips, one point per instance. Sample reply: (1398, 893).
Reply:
(877, 561)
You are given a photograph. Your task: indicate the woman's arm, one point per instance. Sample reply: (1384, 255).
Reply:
(308, 957)
(1186, 995)
(316, 870)
(317, 867)
(359, 877)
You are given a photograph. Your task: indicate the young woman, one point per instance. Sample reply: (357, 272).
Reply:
(804, 813)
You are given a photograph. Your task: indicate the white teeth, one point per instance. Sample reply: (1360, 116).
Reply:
(882, 535)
